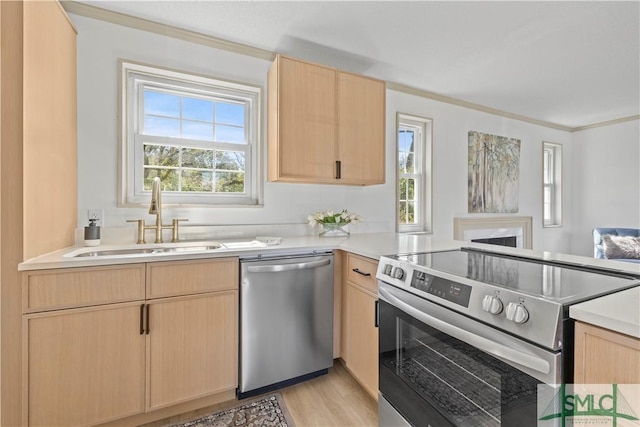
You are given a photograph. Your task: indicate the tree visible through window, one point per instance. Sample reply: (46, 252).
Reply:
(407, 175)
(414, 169)
(198, 135)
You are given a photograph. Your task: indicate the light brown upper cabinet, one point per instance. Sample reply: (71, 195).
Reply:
(324, 125)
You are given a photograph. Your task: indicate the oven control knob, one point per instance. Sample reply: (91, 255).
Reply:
(517, 313)
(387, 269)
(397, 273)
(492, 304)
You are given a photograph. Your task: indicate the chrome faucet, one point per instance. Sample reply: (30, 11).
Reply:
(155, 208)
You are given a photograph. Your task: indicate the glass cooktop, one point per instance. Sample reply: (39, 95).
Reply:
(554, 281)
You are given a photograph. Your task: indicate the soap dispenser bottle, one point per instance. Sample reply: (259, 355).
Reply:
(92, 233)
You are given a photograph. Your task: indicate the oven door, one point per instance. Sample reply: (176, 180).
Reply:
(440, 368)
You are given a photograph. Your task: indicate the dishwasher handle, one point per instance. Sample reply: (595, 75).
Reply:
(287, 267)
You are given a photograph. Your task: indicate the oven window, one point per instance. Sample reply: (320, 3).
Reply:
(456, 383)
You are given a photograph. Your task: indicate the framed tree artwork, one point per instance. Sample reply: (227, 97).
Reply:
(494, 173)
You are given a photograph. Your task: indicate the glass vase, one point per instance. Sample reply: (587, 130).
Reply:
(334, 229)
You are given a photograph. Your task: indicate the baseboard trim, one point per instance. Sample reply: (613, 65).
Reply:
(170, 411)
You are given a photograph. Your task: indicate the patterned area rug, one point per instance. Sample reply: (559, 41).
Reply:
(266, 411)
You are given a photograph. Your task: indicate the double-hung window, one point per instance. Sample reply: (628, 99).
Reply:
(552, 184)
(414, 173)
(199, 135)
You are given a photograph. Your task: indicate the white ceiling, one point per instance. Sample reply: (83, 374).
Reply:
(570, 63)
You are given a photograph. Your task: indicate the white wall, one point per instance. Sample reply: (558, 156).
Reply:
(606, 174)
(100, 45)
(451, 125)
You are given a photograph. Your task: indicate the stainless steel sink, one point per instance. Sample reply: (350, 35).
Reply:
(166, 248)
(209, 246)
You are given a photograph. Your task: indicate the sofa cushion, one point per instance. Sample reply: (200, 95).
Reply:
(621, 247)
(598, 248)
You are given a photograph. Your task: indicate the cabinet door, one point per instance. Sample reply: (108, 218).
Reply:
(361, 337)
(361, 129)
(192, 347)
(85, 366)
(605, 357)
(302, 135)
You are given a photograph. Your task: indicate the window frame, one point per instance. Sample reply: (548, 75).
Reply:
(423, 190)
(552, 181)
(133, 78)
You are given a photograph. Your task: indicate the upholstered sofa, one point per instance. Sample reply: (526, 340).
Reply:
(620, 244)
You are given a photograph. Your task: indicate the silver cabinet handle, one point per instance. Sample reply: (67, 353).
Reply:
(287, 267)
(488, 346)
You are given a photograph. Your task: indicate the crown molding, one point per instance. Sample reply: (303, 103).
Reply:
(470, 105)
(83, 9)
(94, 12)
(607, 123)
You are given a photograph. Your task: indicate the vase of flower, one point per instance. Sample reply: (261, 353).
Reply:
(334, 229)
(334, 224)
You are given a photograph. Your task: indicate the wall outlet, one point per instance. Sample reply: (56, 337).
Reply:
(97, 214)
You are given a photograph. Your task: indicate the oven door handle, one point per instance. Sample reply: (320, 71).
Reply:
(493, 348)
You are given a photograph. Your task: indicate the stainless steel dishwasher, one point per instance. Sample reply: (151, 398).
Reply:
(286, 320)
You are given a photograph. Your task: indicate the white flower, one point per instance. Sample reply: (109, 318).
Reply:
(312, 220)
(354, 218)
(329, 217)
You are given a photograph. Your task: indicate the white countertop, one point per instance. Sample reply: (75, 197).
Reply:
(372, 245)
(618, 312)
(63, 258)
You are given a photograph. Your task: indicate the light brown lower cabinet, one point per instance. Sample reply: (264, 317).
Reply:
(192, 347)
(85, 365)
(359, 330)
(605, 357)
(92, 365)
(361, 352)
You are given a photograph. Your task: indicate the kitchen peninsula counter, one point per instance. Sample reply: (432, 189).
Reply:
(619, 312)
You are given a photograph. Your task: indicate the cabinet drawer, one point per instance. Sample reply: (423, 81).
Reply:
(191, 277)
(362, 271)
(76, 287)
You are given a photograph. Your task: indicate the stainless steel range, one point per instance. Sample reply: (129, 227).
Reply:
(467, 335)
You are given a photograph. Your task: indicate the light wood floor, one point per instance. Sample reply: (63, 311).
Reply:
(335, 399)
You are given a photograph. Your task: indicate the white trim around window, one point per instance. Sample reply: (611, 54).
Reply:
(551, 184)
(414, 171)
(210, 161)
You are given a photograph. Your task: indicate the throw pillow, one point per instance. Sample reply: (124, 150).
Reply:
(621, 247)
